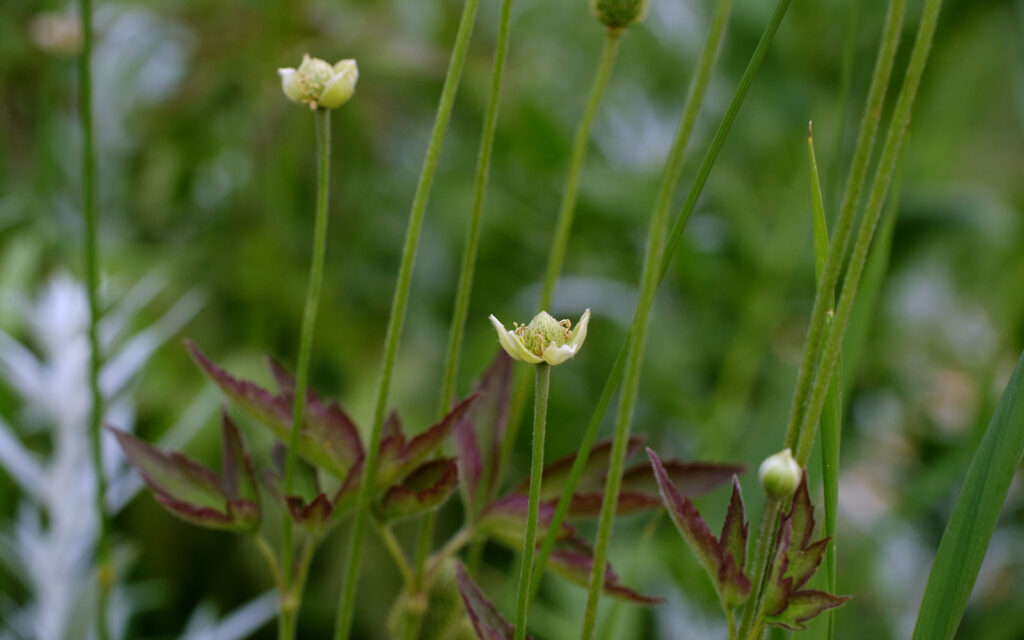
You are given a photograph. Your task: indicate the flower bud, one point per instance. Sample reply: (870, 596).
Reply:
(780, 474)
(319, 84)
(544, 339)
(619, 14)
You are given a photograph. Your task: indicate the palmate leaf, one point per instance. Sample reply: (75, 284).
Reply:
(400, 455)
(974, 516)
(425, 489)
(795, 562)
(722, 558)
(328, 439)
(193, 492)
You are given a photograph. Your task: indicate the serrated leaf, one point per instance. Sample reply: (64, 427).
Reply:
(691, 478)
(803, 606)
(588, 505)
(312, 516)
(779, 586)
(801, 515)
(487, 621)
(467, 452)
(239, 475)
(398, 457)
(425, 489)
(576, 567)
(733, 539)
(328, 438)
(505, 521)
(804, 563)
(186, 488)
(688, 520)
(488, 418)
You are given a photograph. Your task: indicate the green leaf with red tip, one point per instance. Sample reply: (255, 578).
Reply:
(691, 478)
(398, 457)
(425, 489)
(716, 556)
(733, 539)
(505, 521)
(327, 439)
(803, 606)
(312, 516)
(804, 563)
(487, 621)
(801, 515)
(187, 489)
(239, 475)
(576, 567)
(588, 505)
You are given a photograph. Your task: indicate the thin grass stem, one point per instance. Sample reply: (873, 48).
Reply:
(847, 210)
(876, 199)
(346, 607)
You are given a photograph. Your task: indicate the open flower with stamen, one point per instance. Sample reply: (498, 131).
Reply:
(544, 339)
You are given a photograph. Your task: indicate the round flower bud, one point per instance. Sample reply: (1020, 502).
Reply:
(319, 84)
(619, 14)
(780, 474)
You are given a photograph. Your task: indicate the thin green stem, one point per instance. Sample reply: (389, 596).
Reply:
(845, 84)
(316, 276)
(876, 199)
(761, 559)
(666, 190)
(268, 554)
(540, 415)
(395, 549)
(104, 566)
(346, 607)
(563, 223)
(465, 286)
(456, 542)
(847, 211)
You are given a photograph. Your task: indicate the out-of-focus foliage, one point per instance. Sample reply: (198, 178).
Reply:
(207, 172)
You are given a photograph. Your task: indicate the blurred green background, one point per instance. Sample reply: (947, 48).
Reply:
(206, 177)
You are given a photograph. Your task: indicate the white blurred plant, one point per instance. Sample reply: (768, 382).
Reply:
(48, 547)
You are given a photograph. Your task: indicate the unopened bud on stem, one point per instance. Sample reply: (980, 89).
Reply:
(780, 474)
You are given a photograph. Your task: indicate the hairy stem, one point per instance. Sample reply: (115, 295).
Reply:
(104, 566)
(761, 559)
(540, 414)
(346, 606)
(316, 275)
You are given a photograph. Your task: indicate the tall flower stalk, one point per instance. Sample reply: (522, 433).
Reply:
(290, 603)
(322, 87)
(346, 606)
(105, 569)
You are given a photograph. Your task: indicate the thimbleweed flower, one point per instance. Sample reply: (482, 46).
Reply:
(319, 84)
(619, 14)
(544, 339)
(780, 474)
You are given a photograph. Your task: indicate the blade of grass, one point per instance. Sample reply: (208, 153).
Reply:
(346, 606)
(831, 418)
(895, 136)
(652, 277)
(670, 178)
(841, 234)
(974, 516)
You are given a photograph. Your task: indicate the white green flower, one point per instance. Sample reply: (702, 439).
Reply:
(544, 339)
(320, 84)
